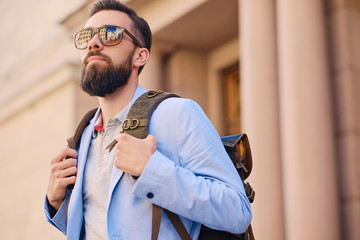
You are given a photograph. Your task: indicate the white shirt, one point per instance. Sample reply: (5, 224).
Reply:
(97, 178)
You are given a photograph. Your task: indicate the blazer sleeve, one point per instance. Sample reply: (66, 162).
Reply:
(57, 219)
(191, 174)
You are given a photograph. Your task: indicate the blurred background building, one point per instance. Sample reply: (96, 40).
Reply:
(286, 72)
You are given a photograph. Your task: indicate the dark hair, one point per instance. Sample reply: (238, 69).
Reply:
(140, 27)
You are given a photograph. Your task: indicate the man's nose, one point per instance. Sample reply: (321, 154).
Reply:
(95, 43)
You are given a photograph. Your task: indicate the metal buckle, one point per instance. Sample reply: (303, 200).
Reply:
(151, 94)
(130, 124)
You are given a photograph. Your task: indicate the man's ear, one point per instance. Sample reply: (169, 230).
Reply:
(141, 57)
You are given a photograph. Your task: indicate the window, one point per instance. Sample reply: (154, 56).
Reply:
(231, 93)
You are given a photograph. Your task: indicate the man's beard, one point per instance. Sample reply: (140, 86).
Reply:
(98, 80)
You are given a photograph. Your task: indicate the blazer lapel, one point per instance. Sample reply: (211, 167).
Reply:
(116, 175)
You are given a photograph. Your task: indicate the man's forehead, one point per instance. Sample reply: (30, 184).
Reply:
(109, 17)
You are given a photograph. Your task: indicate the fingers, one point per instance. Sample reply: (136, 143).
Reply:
(133, 154)
(63, 173)
(65, 153)
(67, 167)
(63, 166)
(60, 184)
(124, 137)
(126, 142)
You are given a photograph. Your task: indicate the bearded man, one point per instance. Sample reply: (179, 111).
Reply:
(181, 166)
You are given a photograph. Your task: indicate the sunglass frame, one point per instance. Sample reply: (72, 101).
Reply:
(97, 30)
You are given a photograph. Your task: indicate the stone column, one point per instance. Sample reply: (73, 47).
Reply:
(307, 134)
(260, 113)
(344, 20)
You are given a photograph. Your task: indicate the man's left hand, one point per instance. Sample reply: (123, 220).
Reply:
(133, 154)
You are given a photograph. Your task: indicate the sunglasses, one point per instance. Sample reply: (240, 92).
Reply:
(109, 35)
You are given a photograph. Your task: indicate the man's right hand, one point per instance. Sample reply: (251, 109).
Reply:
(63, 173)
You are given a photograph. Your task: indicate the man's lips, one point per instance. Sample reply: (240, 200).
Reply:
(95, 59)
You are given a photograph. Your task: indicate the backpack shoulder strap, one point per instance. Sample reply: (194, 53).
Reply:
(74, 140)
(137, 125)
(138, 118)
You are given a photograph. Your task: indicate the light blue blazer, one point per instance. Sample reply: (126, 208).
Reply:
(190, 174)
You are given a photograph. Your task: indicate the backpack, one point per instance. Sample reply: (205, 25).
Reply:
(137, 125)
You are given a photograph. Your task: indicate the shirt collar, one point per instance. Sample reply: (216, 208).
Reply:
(99, 125)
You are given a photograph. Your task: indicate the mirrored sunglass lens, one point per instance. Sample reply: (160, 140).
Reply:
(82, 38)
(110, 35)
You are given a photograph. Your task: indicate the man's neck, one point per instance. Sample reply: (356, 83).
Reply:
(113, 104)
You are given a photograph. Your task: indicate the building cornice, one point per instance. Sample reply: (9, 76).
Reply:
(67, 73)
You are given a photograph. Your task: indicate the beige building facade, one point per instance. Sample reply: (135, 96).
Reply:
(285, 72)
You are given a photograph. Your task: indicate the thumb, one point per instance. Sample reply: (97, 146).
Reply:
(151, 141)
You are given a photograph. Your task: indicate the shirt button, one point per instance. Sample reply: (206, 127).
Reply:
(150, 195)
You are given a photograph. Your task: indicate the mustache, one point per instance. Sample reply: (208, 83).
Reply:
(96, 53)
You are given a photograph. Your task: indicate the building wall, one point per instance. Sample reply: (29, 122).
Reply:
(30, 137)
(299, 81)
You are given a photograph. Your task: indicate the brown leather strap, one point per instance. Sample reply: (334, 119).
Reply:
(74, 140)
(178, 225)
(156, 220)
(71, 142)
